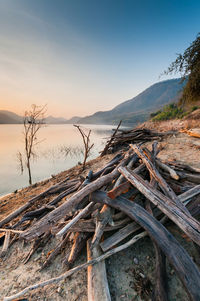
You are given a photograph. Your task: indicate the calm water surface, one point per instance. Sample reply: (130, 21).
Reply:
(60, 148)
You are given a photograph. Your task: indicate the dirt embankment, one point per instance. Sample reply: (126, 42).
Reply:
(130, 272)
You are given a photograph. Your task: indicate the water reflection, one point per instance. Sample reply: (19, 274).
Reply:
(61, 148)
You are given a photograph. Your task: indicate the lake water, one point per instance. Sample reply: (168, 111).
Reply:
(60, 148)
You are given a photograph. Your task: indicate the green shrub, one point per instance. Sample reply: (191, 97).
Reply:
(194, 108)
(153, 114)
(171, 111)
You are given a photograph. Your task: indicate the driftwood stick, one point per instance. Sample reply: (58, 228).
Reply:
(12, 215)
(116, 191)
(154, 172)
(55, 252)
(178, 257)
(114, 161)
(130, 165)
(11, 230)
(82, 213)
(186, 222)
(165, 167)
(194, 178)
(5, 244)
(184, 197)
(98, 288)
(76, 269)
(78, 244)
(118, 236)
(89, 226)
(102, 220)
(104, 152)
(181, 166)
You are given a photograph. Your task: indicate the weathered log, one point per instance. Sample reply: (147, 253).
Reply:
(160, 292)
(69, 207)
(194, 178)
(182, 166)
(89, 226)
(38, 213)
(14, 214)
(165, 167)
(124, 232)
(78, 244)
(178, 257)
(184, 197)
(76, 269)
(152, 157)
(5, 244)
(154, 172)
(98, 288)
(121, 234)
(122, 188)
(185, 221)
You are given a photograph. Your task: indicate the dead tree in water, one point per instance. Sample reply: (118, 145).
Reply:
(86, 142)
(33, 121)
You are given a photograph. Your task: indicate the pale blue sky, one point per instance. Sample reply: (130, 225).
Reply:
(82, 56)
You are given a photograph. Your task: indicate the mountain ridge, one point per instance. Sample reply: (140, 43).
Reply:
(134, 110)
(138, 108)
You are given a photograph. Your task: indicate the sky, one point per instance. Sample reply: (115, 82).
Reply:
(83, 56)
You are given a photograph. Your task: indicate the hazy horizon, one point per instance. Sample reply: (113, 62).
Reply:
(81, 57)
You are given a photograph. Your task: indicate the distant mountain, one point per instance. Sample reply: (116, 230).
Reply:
(74, 119)
(7, 117)
(55, 120)
(131, 111)
(138, 108)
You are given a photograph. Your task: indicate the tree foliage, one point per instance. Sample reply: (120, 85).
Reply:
(188, 65)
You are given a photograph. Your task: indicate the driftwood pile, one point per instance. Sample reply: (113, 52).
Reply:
(122, 138)
(133, 195)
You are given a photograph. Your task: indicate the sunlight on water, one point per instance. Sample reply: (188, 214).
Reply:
(60, 148)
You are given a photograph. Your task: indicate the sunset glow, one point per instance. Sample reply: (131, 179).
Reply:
(79, 57)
